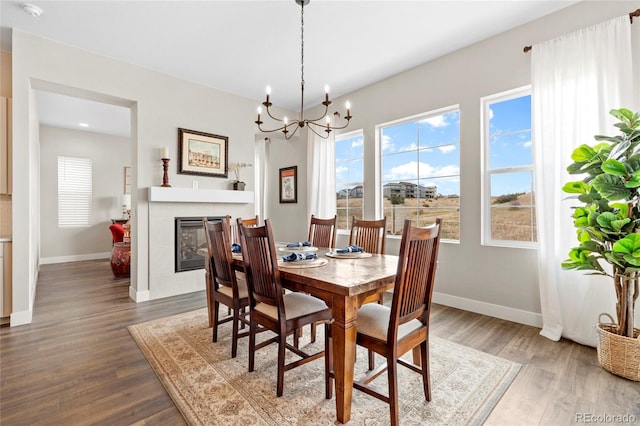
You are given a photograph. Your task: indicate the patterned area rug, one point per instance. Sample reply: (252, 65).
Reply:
(211, 388)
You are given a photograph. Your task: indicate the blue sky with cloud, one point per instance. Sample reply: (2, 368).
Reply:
(427, 151)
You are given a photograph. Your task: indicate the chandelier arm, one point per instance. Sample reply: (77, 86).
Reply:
(279, 129)
(326, 111)
(289, 134)
(318, 134)
(273, 117)
(324, 126)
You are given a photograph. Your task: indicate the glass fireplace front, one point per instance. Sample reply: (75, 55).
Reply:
(190, 242)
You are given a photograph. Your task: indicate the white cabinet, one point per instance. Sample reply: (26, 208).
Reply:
(5, 279)
(5, 146)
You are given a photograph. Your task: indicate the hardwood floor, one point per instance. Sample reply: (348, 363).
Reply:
(76, 364)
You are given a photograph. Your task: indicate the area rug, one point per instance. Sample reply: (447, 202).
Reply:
(211, 388)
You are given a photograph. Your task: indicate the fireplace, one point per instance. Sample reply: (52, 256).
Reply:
(190, 242)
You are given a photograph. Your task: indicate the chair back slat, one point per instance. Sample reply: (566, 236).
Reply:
(369, 234)
(261, 264)
(322, 232)
(235, 232)
(219, 249)
(415, 275)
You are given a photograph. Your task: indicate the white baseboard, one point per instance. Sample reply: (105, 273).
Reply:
(510, 314)
(139, 296)
(21, 318)
(74, 258)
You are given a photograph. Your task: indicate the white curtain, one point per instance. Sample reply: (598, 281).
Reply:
(261, 176)
(321, 172)
(576, 80)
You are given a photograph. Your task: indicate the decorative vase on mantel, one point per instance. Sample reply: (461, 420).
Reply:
(238, 186)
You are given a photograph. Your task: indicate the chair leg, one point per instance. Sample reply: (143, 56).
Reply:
(207, 282)
(426, 376)
(392, 371)
(313, 332)
(234, 333)
(296, 337)
(372, 361)
(252, 344)
(216, 309)
(328, 362)
(281, 353)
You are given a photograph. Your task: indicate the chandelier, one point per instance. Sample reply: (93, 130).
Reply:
(320, 125)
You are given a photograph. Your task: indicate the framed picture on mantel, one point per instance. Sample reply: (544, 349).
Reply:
(289, 184)
(203, 154)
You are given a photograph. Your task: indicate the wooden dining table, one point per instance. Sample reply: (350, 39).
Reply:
(343, 284)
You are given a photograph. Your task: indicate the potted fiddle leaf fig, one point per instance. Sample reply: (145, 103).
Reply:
(608, 231)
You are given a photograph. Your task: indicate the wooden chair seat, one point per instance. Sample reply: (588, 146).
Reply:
(296, 305)
(243, 292)
(373, 321)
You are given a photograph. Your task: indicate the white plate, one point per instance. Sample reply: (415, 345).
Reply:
(302, 263)
(298, 249)
(347, 255)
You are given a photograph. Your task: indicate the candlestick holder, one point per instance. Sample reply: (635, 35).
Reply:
(165, 176)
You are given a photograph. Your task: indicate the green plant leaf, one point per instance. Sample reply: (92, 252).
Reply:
(577, 187)
(605, 219)
(627, 245)
(583, 153)
(611, 187)
(614, 167)
(633, 181)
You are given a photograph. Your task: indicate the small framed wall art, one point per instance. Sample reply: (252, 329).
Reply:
(203, 154)
(289, 184)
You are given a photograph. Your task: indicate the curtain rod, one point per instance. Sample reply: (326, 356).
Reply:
(635, 13)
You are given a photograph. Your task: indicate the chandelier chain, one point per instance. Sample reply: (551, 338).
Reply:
(302, 45)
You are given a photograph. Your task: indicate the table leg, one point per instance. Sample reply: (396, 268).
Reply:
(343, 331)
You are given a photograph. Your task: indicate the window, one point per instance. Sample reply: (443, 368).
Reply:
(421, 171)
(508, 196)
(75, 196)
(349, 178)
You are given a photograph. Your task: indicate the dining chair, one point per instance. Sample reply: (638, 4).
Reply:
(394, 331)
(369, 234)
(269, 306)
(251, 221)
(322, 232)
(224, 286)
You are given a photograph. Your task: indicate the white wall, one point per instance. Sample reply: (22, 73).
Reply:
(492, 280)
(109, 156)
(160, 104)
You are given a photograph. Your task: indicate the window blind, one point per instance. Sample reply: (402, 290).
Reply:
(75, 196)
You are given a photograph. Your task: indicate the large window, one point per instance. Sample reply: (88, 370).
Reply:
(508, 196)
(421, 171)
(349, 178)
(75, 197)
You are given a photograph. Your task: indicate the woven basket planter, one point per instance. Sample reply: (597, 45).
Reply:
(618, 354)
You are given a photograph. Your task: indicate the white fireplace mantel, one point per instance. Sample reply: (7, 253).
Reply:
(188, 195)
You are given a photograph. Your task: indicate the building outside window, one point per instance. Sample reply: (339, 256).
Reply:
(349, 178)
(420, 164)
(508, 185)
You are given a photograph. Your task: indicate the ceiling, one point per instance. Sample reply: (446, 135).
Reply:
(242, 46)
